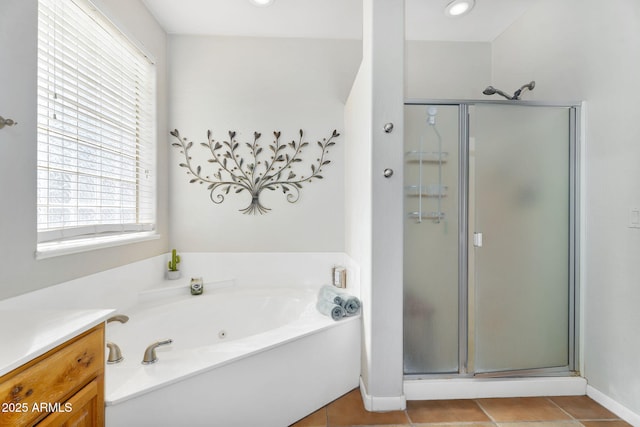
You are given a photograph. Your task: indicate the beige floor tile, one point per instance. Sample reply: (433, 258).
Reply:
(316, 419)
(601, 423)
(583, 408)
(461, 424)
(506, 412)
(445, 411)
(349, 411)
(542, 424)
(522, 409)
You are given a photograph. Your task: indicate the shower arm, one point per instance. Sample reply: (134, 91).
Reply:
(499, 92)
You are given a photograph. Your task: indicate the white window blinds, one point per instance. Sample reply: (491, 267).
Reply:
(96, 120)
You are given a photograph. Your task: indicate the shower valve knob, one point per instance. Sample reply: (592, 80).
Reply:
(7, 122)
(388, 127)
(387, 173)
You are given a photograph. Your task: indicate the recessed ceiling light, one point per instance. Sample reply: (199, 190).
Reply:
(261, 3)
(459, 7)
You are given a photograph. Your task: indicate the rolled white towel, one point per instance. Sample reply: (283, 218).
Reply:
(349, 303)
(327, 308)
(331, 294)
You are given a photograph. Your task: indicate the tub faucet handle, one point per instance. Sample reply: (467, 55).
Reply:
(150, 352)
(115, 355)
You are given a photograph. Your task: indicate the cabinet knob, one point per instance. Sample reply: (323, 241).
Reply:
(387, 173)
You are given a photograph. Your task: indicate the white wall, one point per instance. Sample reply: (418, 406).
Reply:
(374, 203)
(358, 192)
(587, 50)
(260, 84)
(18, 55)
(447, 70)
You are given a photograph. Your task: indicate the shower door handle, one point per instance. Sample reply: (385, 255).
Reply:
(477, 240)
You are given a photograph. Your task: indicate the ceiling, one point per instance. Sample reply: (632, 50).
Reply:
(337, 19)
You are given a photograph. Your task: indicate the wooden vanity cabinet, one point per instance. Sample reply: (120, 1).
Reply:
(63, 387)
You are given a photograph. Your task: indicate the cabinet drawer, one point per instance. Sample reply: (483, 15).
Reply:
(26, 392)
(82, 410)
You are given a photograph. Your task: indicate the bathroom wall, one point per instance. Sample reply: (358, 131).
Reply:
(374, 203)
(21, 272)
(585, 50)
(250, 84)
(358, 191)
(447, 70)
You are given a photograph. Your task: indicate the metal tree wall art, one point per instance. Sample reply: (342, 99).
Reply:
(251, 168)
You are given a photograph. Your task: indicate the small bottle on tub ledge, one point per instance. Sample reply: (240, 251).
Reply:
(197, 286)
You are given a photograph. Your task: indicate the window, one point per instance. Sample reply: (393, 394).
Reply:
(96, 130)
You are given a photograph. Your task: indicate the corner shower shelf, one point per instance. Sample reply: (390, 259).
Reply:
(437, 216)
(427, 156)
(434, 191)
(430, 190)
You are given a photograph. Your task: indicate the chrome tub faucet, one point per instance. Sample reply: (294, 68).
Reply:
(118, 318)
(115, 355)
(150, 352)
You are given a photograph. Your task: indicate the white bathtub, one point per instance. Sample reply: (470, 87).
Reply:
(239, 357)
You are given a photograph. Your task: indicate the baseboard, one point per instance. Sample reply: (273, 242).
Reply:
(620, 410)
(473, 388)
(381, 404)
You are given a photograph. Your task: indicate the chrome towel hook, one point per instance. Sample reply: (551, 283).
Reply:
(7, 122)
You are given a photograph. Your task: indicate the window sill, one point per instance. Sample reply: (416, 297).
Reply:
(54, 249)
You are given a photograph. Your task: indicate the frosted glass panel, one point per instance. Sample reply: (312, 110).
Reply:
(431, 240)
(519, 157)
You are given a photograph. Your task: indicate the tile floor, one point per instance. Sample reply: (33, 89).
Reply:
(571, 411)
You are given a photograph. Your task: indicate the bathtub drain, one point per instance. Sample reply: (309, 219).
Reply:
(222, 334)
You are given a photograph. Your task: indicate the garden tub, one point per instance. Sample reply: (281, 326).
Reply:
(239, 356)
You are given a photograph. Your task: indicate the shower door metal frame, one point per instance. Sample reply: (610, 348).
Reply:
(575, 114)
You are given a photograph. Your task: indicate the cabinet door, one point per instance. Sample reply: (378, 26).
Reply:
(83, 409)
(52, 377)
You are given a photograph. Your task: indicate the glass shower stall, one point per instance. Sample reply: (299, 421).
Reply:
(490, 238)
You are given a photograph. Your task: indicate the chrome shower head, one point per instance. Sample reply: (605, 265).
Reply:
(490, 90)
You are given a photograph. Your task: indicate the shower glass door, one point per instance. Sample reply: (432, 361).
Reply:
(519, 234)
(489, 239)
(431, 279)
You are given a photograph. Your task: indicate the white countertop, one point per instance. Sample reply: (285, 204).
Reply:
(26, 334)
